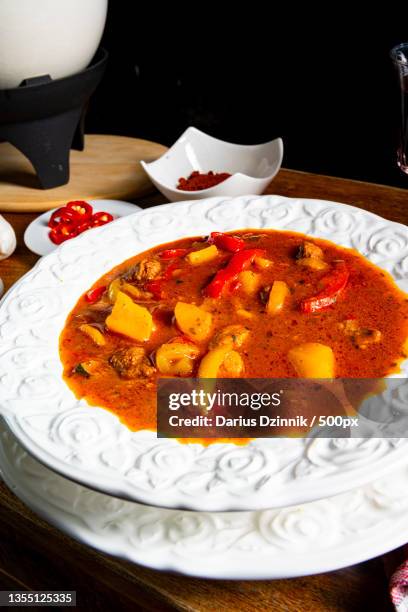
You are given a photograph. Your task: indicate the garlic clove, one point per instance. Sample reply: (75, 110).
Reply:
(1, 287)
(8, 240)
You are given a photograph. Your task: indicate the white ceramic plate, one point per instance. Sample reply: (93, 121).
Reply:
(91, 446)
(36, 235)
(318, 537)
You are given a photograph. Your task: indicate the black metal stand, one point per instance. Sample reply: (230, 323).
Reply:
(44, 119)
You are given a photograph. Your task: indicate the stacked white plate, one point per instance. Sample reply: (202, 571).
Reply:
(272, 508)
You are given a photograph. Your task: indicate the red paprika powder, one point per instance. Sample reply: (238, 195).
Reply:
(198, 180)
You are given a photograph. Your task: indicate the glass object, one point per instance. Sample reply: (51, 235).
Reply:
(399, 56)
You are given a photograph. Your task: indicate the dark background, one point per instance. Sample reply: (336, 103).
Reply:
(324, 81)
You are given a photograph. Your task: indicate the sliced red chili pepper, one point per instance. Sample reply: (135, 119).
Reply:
(155, 286)
(238, 262)
(67, 229)
(82, 227)
(63, 214)
(100, 218)
(73, 219)
(334, 283)
(82, 209)
(56, 237)
(227, 242)
(63, 231)
(93, 295)
(173, 253)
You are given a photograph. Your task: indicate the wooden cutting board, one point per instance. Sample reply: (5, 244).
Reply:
(108, 168)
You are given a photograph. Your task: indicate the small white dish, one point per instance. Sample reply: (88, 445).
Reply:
(36, 235)
(252, 166)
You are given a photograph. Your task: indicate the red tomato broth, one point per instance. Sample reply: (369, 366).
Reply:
(370, 296)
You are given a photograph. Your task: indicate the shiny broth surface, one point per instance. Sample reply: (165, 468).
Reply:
(364, 326)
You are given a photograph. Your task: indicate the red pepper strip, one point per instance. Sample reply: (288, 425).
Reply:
(234, 285)
(155, 287)
(173, 253)
(227, 242)
(100, 218)
(334, 283)
(82, 209)
(238, 262)
(93, 295)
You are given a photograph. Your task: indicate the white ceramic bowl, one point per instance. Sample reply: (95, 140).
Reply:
(91, 446)
(252, 166)
(52, 37)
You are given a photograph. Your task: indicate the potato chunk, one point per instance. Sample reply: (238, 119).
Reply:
(212, 361)
(193, 321)
(232, 336)
(176, 358)
(250, 281)
(277, 297)
(233, 364)
(221, 357)
(245, 314)
(313, 360)
(196, 258)
(262, 263)
(130, 319)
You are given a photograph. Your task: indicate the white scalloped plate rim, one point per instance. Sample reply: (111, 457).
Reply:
(321, 536)
(89, 445)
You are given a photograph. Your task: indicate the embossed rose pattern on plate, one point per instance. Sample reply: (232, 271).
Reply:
(317, 537)
(91, 446)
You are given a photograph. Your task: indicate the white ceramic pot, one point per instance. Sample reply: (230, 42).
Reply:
(55, 37)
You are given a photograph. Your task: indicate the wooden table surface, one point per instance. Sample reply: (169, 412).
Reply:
(35, 556)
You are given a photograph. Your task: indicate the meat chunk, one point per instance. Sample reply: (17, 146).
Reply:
(232, 335)
(364, 336)
(147, 269)
(132, 363)
(310, 256)
(361, 337)
(308, 249)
